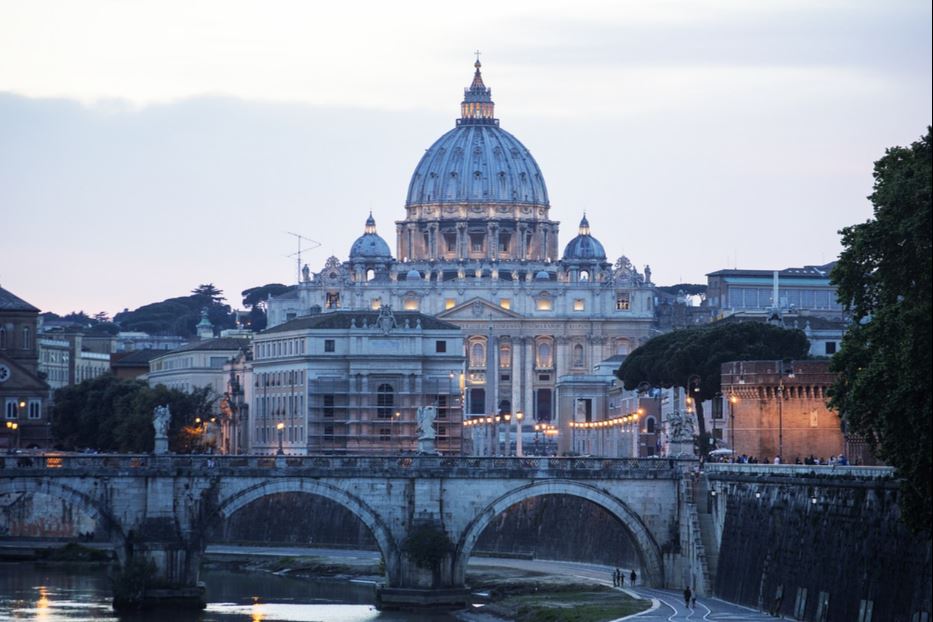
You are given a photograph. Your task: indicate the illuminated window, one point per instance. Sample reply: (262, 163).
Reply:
(450, 303)
(505, 303)
(476, 242)
(623, 301)
(544, 304)
(411, 304)
(579, 305)
(477, 354)
(375, 304)
(545, 355)
(584, 275)
(332, 301)
(505, 356)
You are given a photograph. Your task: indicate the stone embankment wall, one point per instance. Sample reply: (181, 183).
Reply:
(41, 516)
(802, 546)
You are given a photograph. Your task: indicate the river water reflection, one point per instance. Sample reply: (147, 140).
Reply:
(71, 594)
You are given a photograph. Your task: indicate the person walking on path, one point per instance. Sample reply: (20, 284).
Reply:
(632, 578)
(615, 578)
(687, 596)
(621, 578)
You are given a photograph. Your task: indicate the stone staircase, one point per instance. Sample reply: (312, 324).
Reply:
(707, 530)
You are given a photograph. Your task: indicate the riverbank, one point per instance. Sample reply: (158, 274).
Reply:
(501, 592)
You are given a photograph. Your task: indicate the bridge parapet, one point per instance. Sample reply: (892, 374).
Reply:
(802, 471)
(429, 467)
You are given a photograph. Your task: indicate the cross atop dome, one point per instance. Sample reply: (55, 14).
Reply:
(370, 224)
(477, 106)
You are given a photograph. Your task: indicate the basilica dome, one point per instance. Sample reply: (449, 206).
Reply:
(477, 161)
(584, 246)
(370, 246)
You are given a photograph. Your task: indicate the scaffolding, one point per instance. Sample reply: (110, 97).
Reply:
(377, 413)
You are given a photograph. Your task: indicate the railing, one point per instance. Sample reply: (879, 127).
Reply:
(370, 465)
(801, 470)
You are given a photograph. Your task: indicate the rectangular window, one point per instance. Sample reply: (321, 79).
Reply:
(450, 303)
(328, 410)
(35, 409)
(544, 304)
(451, 240)
(717, 409)
(505, 377)
(441, 401)
(329, 432)
(410, 304)
(291, 315)
(543, 405)
(332, 301)
(477, 401)
(830, 347)
(440, 346)
(579, 305)
(623, 301)
(375, 304)
(9, 409)
(476, 242)
(504, 240)
(330, 345)
(385, 434)
(505, 303)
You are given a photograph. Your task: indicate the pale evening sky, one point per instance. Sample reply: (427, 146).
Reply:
(148, 146)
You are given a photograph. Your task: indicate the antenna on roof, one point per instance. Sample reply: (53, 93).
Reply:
(312, 244)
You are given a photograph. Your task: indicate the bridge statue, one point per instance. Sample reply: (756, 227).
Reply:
(681, 432)
(161, 417)
(426, 433)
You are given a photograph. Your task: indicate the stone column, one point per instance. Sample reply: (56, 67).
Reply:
(517, 405)
(528, 363)
(461, 239)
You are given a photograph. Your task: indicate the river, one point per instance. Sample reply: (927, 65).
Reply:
(44, 593)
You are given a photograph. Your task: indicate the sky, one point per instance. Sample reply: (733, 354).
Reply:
(149, 146)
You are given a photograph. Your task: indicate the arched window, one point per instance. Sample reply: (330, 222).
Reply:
(385, 400)
(649, 425)
(584, 275)
(27, 338)
(477, 354)
(370, 274)
(545, 355)
(578, 355)
(505, 356)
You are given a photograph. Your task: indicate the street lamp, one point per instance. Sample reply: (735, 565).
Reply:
(733, 399)
(784, 368)
(519, 415)
(13, 427)
(281, 429)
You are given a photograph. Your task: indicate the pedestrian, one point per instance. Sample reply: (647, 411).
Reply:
(615, 578)
(693, 601)
(687, 596)
(621, 578)
(632, 578)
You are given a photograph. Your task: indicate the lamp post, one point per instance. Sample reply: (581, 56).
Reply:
(519, 415)
(733, 398)
(280, 427)
(13, 427)
(787, 370)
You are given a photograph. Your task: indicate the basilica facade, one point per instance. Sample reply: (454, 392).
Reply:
(478, 248)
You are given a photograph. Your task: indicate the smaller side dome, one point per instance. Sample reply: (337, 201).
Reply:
(584, 247)
(370, 246)
(542, 275)
(413, 275)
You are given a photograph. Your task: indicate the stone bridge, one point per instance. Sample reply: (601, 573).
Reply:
(163, 507)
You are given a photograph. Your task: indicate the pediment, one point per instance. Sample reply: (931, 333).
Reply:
(477, 309)
(20, 378)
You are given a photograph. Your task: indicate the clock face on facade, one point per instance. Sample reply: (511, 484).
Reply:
(4, 373)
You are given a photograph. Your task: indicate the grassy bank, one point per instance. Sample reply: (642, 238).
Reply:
(552, 599)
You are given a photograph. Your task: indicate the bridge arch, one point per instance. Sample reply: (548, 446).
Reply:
(645, 545)
(359, 508)
(80, 500)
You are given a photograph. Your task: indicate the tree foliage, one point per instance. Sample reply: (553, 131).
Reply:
(883, 369)
(692, 358)
(110, 414)
(179, 316)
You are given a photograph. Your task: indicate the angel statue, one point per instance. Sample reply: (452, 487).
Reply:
(161, 417)
(426, 416)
